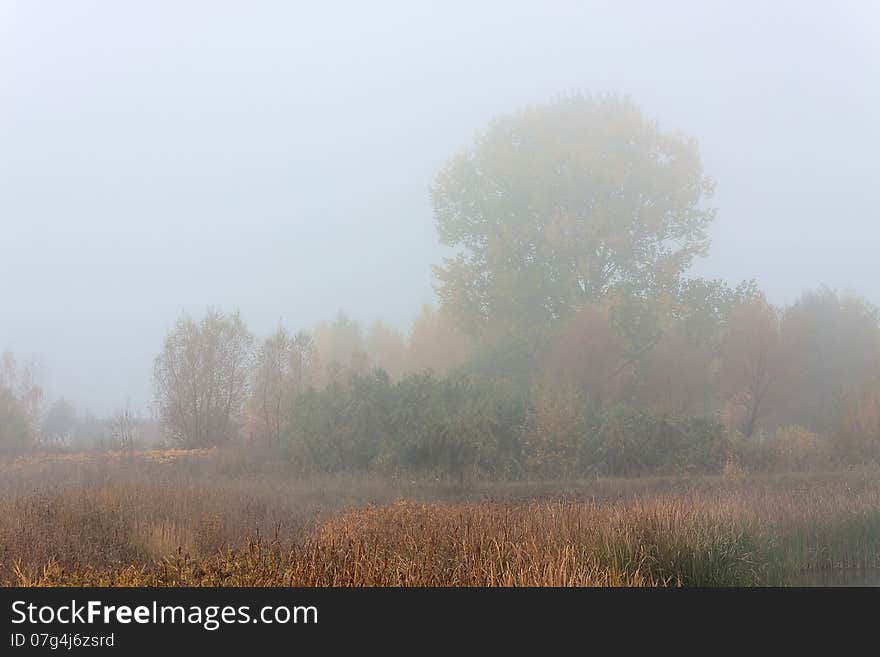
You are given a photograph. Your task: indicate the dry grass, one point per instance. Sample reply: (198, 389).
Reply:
(406, 544)
(211, 520)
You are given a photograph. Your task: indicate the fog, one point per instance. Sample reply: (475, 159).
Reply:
(159, 158)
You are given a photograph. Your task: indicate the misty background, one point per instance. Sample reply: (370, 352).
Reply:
(159, 158)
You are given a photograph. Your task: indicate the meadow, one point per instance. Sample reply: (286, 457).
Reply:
(211, 518)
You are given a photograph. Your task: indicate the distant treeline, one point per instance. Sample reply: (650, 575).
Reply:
(737, 382)
(728, 381)
(568, 340)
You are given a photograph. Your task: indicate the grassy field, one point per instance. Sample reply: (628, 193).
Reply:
(216, 518)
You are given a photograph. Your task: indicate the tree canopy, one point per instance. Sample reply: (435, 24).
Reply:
(557, 205)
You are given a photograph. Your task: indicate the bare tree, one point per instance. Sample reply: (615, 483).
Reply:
(123, 430)
(201, 378)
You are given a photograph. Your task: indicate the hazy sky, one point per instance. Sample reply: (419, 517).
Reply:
(164, 156)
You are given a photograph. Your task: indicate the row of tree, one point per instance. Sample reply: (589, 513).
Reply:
(568, 337)
(213, 383)
(716, 363)
(714, 355)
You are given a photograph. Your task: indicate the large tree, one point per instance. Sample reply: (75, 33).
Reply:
(555, 206)
(201, 378)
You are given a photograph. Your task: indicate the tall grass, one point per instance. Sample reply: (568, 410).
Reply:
(559, 543)
(195, 523)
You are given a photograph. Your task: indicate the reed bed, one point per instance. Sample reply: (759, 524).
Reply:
(181, 526)
(560, 543)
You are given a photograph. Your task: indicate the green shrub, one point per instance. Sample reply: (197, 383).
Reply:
(626, 441)
(449, 426)
(342, 426)
(459, 425)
